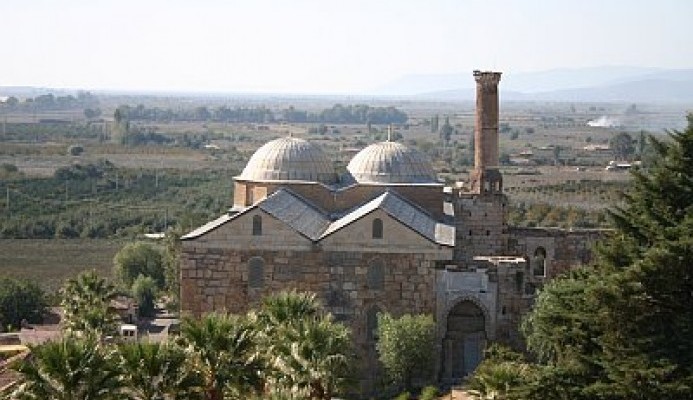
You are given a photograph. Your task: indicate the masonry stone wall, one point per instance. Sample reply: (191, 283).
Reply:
(480, 226)
(218, 279)
(216, 272)
(566, 249)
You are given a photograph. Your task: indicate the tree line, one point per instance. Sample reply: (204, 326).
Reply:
(337, 114)
(50, 101)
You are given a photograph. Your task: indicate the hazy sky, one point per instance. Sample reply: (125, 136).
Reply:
(320, 46)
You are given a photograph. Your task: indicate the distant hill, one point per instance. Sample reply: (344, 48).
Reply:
(608, 84)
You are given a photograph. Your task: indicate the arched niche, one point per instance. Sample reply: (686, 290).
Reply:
(467, 328)
(538, 262)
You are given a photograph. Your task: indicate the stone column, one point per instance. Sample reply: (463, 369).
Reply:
(486, 178)
(486, 129)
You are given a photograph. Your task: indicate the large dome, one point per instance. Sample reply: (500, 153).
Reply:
(391, 162)
(289, 159)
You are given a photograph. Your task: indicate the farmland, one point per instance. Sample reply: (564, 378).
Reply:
(50, 262)
(83, 184)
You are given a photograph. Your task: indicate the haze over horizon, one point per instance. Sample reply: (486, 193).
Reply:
(324, 47)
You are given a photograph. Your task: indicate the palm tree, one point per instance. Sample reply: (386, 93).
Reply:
(226, 353)
(306, 350)
(86, 304)
(69, 369)
(158, 371)
(311, 359)
(287, 308)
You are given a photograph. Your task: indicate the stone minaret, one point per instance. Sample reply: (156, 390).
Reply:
(486, 178)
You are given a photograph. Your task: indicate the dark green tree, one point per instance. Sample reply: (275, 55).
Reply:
(306, 351)
(622, 330)
(434, 123)
(446, 130)
(69, 369)
(158, 371)
(225, 354)
(406, 347)
(622, 146)
(136, 259)
(86, 304)
(144, 290)
(20, 300)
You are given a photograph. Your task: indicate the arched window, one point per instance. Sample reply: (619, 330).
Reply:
(257, 225)
(256, 272)
(539, 262)
(372, 324)
(377, 228)
(375, 276)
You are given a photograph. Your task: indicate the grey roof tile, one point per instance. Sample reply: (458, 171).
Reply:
(314, 223)
(403, 211)
(296, 212)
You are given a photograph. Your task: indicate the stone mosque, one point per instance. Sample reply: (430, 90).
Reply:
(387, 237)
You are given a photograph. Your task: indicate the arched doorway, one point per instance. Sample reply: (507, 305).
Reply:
(464, 341)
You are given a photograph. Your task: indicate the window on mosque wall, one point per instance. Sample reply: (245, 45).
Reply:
(375, 276)
(539, 262)
(256, 272)
(377, 228)
(257, 225)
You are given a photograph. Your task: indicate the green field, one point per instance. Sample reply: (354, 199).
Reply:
(50, 261)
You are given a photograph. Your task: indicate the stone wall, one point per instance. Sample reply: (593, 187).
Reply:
(354, 275)
(480, 226)
(502, 290)
(565, 249)
(214, 279)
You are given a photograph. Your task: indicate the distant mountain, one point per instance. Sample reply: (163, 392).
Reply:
(609, 84)
(645, 90)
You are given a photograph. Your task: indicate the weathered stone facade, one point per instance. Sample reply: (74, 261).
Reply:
(376, 244)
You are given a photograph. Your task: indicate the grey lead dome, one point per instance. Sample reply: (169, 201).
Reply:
(289, 159)
(391, 162)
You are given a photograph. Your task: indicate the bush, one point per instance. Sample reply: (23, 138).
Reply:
(8, 168)
(20, 300)
(137, 259)
(406, 348)
(75, 150)
(144, 291)
(429, 393)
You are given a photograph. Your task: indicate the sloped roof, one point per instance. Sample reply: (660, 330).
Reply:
(209, 226)
(296, 212)
(408, 214)
(284, 205)
(315, 224)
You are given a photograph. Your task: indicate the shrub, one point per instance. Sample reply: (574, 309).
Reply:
(137, 259)
(144, 291)
(75, 150)
(406, 347)
(20, 300)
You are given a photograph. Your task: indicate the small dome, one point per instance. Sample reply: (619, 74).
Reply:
(289, 159)
(391, 162)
